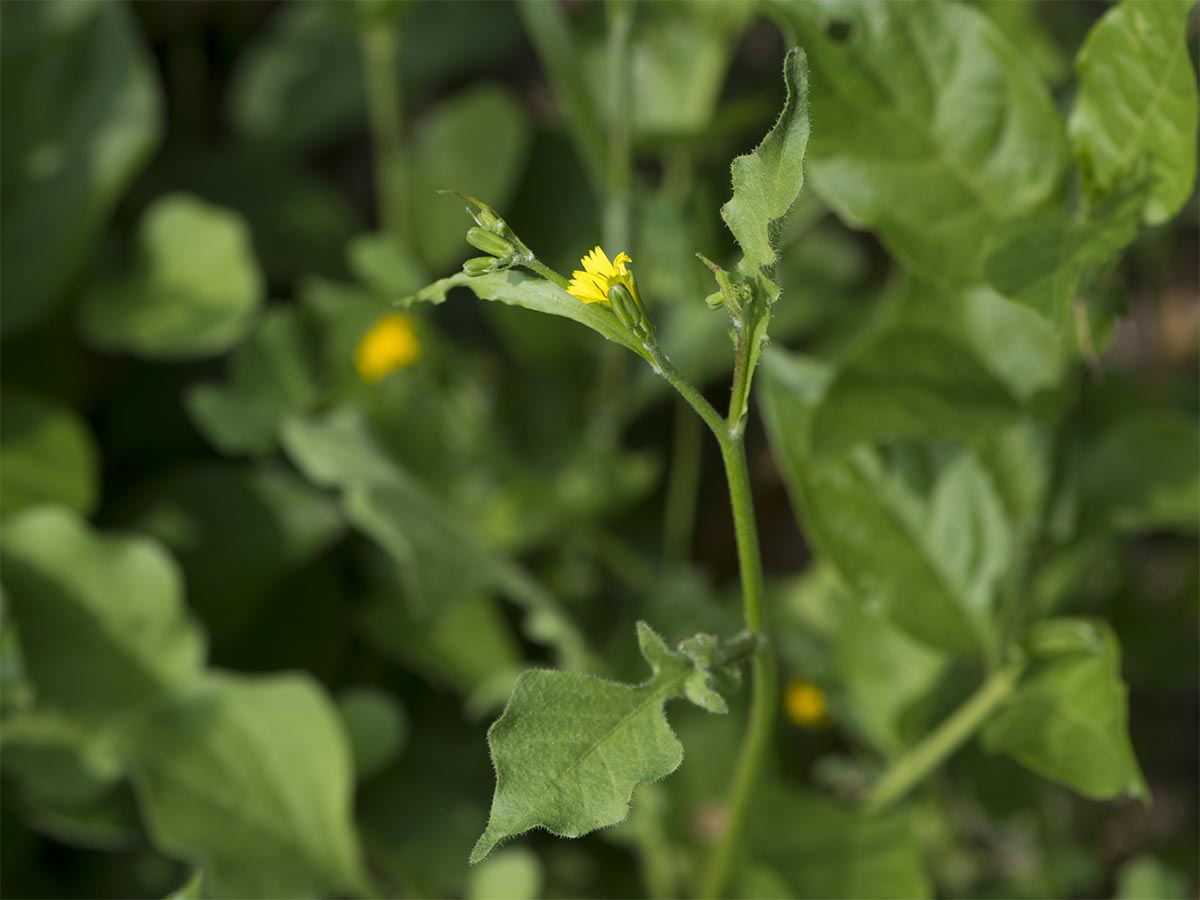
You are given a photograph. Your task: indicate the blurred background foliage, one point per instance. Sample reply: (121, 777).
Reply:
(231, 469)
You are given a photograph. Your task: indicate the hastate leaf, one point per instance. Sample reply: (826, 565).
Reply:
(767, 181)
(570, 748)
(1137, 103)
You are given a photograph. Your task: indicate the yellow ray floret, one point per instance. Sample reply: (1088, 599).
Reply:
(592, 283)
(805, 704)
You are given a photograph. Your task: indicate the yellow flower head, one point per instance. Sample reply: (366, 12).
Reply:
(390, 344)
(591, 285)
(805, 704)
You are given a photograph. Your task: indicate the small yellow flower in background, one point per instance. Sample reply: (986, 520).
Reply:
(390, 344)
(599, 275)
(805, 704)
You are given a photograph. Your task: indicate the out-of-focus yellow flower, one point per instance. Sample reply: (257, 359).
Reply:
(592, 284)
(390, 344)
(805, 704)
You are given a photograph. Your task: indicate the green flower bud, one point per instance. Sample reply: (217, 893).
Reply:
(490, 242)
(715, 300)
(480, 265)
(489, 220)
(628, 311)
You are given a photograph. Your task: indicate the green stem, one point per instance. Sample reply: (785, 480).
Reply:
(618, 173)
(911, 768)
(387, 133)
(684, 478)
(764, 689)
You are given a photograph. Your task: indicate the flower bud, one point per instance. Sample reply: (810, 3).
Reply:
(628, 311)
(480, 265)
(490, 242)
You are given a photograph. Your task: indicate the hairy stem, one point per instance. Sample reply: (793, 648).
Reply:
(764, 689)
(911, 768)
(387, 134)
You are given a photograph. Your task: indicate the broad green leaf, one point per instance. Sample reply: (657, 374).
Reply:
(193, 292)
(519, 289)
(237, 531)
(1137, 103)
(822, 849)
(301, 84)
(47, 455)
(511, 874)
(81, 115)
(190, 889)
(388, 268)
(909, 382)
(466, 648)
(767, 181)
(933, 128)
(1068, 721)
(881, 672)
(1038, 261)
(1146, 877)
(1015, 343)
(376, 725)
(884, 540)
(251, 780)
(57, 761)
(101, 618)
(271, 376)
(476, 143)
(1143, 475)
(441, 558)
(570, 748)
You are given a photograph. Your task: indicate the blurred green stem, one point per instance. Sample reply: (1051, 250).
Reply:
(546, 24)
(387, 133)
(683, 482)
(914, 766)
(618, 173)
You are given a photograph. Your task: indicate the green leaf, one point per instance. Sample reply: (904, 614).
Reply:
(822, 849)
(376, 725)
(448, 153)
(1146, 877)
(194, 291)
(259, 521)
(511, 874)
(271, 376)
(1038, 261)
(882, 673)
(190, 889)
(101, 618)
(933, 128)
(518, 289)
(428, 542)
(47, 455)
(1137, 103)
(57, 761)
(886, 542)
(81, 115)
(767, 181)
(1068, 722)
(570, 748)
(1142, 475)
(909, 382)
(251, 780)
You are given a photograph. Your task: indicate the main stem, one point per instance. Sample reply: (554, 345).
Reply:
(383, 112)
(912, 768)
(763, 685)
